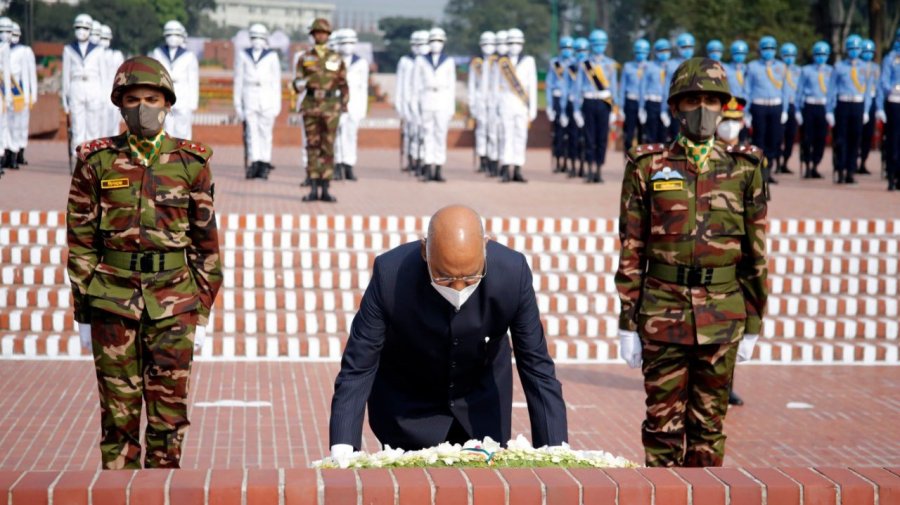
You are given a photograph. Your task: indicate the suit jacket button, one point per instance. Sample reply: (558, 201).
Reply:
(452, 364)
(452, 403)
(455, 341)
(451, 384)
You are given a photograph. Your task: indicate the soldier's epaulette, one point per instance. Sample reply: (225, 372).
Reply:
(638, 152)
(197, 149)
(86, 149)
(751, 152)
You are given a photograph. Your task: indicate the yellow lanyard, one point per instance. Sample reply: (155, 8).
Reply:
(822, 85)
(640, 71)
(662, 76)
(854, 74)
(740, 76)
(775, 82)
(790, 81)
(598, 71)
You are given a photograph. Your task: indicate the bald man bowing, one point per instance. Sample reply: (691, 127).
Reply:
(429, 351)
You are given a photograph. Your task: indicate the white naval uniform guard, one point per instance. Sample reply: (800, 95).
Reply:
(6, 107)
(477, 104)
(492, 113)
(405, 103)
(24, 79)
(182, 65)
(357, 108)
(85, 84)
(516, 77)
(257, 96)
(435, 89)
(114, 58)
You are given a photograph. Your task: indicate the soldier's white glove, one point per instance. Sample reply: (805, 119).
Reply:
(551, 114)
(745, 348)
(341, 454)
(748, 120)
(881, 116)
(239, 114)
(199, 337)
(665, 119)
(798, 116)
(865, 118)
(829, 118)
(784, 117)
(84, 333)
(65, 104)
(630, 348)
(564, 120)
(579, 119)
(642, 116)
(612, 119)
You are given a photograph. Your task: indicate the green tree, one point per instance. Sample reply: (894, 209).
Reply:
(467, 19)
(397, 30)
(196, 10)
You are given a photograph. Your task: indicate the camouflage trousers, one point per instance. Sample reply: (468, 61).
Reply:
(320, 133)
(687, 399)
(146, 361)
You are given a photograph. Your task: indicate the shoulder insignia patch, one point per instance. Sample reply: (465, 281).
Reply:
(638, 152)
(197, 149)
(85, 150)
(751, 152)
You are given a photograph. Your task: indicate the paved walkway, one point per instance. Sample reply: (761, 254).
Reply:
(49, 417)
(384, 190)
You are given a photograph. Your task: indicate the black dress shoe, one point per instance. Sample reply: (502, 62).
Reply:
(734, 399)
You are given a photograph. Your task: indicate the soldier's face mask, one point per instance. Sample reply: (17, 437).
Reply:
(640, 56)
(767, 54)
(686, 52)
(868, 56)
(144, 120)
(515, 49)
(502, 49)
(663, 56)
(488, 49)
(436, 46)
(82, 34)
(729, 130)
(715, 56)
(820, 59)
(348, 48)
(257, 44)
(789, 60)
(94, 38)
(104, 43)
(174, 41)
(567, 53)
(699, 123)
(5, 36)
(739, 58)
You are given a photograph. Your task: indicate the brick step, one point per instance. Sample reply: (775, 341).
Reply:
(417, 224)
(330, 347)
(566, 303)
(271, 322)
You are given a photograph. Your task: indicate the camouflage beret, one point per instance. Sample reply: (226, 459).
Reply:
(142, 71)
(320, 25)
(699, 75)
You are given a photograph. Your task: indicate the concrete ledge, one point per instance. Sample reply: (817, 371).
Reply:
(708, 486)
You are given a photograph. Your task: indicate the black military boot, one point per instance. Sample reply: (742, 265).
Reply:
(251, 170)
(598, 179)
(838, 176)
(815, 172)
(338, 172)
(437, 175)
(862, 170)
(7, 159)
(13, 160)
(783, 168)
(264, 169)
(564, 167)
(325, 197)
(517, 175)
(504, 173)
(426, 173)
(892, 184)
(348, 173)
(734, 399)
(21, 157)
(313, 191)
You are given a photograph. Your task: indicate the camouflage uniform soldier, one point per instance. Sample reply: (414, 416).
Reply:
(144, 266)
(321, 74)
(692, 270)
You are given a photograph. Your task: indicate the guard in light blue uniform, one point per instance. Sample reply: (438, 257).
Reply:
(556, 90)
(596, 91)
(630, 93)
(791, 78)
(685, 46)
(847, 110)
(890, 90)
(764, 88)
(872, 74)
(812, 95)
(737, 73)
(574, 132)
(714, 50)
(654, 92)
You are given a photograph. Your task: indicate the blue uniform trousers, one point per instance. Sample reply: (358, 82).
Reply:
(767, 130)
(596, 129)
(813, 134)
(846, 136)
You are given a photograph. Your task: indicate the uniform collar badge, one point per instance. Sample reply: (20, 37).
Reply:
(666, 174)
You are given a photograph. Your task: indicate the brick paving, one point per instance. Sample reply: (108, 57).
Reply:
(383, 190)
(49, 416)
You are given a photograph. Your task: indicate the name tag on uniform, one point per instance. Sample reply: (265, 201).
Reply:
(332, 66)
(114, 183)
(309, 63)
(668, 185)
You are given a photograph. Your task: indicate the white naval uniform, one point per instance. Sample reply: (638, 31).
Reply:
(435, 89)
(403, 104)
(304, 156)
(492, 120)
(477, 103)
(257, 97)
(86, 87)
(357, 107)
(23, 77)
(113, 117)
(516, 113)
(6, 104)
(185, 72)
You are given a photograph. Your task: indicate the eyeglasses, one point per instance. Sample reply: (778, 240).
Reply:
(469, 280)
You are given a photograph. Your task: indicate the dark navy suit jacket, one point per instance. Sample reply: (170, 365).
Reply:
(419, 363)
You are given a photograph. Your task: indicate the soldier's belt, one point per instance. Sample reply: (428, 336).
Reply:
(894, 98)
(692, 276)
(557, 93)
(851, 98)
(769, 102)
(632, 96)
(816, 101)
(321, 94)
(147, 262)
(653, 98)
(598, 95)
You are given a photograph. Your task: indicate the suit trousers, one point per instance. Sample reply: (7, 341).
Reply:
(434, 127)
(515, 129)
(86, 113)
(259, 129)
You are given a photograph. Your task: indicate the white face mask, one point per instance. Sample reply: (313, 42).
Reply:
(104, 43)
(515, 49)
(82, 34)
(6, 37)
(502, 49)
(488, 49)
(94, 39)
(173, 41)
(436, 46)
(729, 130)
(456, 298)
(347, 48)
(422, 49)
(257, 44)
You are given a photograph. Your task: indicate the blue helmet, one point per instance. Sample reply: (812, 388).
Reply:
(566, 43)
(598, 40)
(714, 49)
(868, 49)
(789, 53)
(821, 50)
(853, 46)
(768, 46)
(685, 43)
(662, 49)
(581, 45)
(739, 50)
(641, 46)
